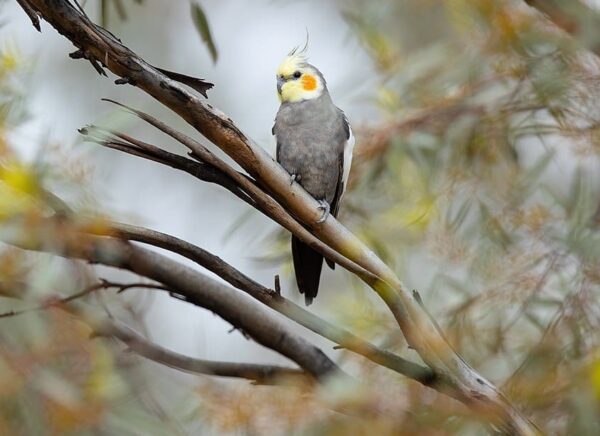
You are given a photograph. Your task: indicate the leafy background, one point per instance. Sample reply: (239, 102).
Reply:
(475, 178)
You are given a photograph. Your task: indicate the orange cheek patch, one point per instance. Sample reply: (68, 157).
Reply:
(309, 83)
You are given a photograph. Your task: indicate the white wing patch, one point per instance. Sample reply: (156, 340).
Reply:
(348, 150)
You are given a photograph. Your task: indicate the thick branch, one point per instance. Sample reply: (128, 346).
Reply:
(275, 301)
(213, 263)
(240, 311)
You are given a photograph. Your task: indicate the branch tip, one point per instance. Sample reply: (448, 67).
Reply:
(77, 54)
(124, 81)
(33, 15)
(277, 285)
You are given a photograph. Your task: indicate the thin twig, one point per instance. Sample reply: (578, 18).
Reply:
(55, 302)
(129, 145)
(264, 374)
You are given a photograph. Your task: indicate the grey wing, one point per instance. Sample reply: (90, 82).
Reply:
(276, 143)
(339, 189)
(344, 162)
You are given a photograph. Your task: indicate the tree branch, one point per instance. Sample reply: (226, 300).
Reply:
(213, 263)
(31, 13)
(343, 338)
(198, 289)
(263, 374)
(262, 201)
(108, 327)
(269, 207)
(201, 170)
(275, 301)
(52, 302)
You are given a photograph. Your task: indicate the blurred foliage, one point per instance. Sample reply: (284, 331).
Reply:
(196, 12)
(117, 5)
(479, 186)
(53, 378)
(482, 187)
(201, 23)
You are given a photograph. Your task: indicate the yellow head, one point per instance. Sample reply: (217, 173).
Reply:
(297, 80)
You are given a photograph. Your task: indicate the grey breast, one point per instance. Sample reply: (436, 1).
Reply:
(311, 135)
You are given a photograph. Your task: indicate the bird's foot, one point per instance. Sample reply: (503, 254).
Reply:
(294, 178)
(324, 206)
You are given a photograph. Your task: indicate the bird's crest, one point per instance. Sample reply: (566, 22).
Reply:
(297, 51)
(296, 59)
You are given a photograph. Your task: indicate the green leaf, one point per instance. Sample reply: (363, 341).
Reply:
(203, 28)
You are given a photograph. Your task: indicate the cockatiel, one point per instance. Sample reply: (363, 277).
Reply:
(314, 145)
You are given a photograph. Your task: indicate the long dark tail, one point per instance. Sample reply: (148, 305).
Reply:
(307, 267)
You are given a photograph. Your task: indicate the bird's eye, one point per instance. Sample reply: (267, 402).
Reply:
(297, 74)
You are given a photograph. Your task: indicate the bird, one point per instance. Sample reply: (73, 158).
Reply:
(314, 144)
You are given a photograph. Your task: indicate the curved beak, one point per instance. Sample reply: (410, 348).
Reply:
(280, 82)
